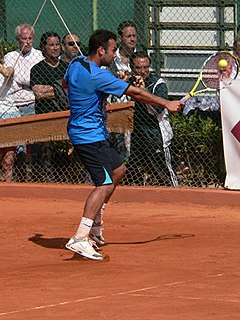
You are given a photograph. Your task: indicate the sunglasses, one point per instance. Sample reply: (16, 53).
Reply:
(72, 43)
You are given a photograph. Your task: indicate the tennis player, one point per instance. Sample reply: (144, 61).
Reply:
(88, 87)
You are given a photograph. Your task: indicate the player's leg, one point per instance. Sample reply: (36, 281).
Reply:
(81, 242)
(117, 175)
(97, 159)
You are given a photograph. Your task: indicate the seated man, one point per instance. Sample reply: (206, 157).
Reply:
(152, 134)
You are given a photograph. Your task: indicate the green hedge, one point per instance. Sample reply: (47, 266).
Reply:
(197, 142)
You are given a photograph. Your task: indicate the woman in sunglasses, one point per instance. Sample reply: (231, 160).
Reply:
(70, 47)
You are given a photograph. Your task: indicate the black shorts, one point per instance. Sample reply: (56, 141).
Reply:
(100, 159)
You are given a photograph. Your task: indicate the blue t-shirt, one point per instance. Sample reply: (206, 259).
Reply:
(88, 89)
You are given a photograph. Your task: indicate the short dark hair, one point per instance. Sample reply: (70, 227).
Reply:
(64, 38)
(68, 34)
(100, 38)
(138, 54)
(125, 24)
(46, 35)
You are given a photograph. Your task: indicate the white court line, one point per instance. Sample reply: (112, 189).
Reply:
(51, 305)
(210, 299)
(190, 280)
(131, 292)
(187, 298)
(75, 301)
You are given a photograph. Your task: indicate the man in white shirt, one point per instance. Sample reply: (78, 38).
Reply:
(18, 84)
(22, 60)
(7, 110)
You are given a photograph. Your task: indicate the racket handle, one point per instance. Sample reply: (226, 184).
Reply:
(184, 99)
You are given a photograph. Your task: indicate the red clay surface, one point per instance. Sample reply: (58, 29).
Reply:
(173, 254)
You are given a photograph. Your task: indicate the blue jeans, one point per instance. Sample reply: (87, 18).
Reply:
(27, 109)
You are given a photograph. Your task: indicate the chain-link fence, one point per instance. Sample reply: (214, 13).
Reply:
(162, 150)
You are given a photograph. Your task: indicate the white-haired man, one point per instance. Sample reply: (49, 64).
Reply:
(22, 60)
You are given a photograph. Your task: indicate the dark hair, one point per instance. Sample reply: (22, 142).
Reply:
(68, 34)
(64, 38)
(138, 54)
(46, 35)
(100, 38)
(125, 24)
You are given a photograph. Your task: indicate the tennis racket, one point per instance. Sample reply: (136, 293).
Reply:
(212, 77)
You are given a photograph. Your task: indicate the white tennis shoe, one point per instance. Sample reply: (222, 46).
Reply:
(96, 235)
(84, 247)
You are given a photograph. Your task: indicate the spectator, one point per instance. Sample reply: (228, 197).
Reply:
(22, 60)
(152, 135)
(7, 110)
(127, 37)
(46, 73)
(70, 47)
(46, 78)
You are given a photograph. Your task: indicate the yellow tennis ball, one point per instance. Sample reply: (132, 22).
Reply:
(222, 64)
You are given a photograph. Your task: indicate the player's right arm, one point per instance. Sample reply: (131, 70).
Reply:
(146, 97)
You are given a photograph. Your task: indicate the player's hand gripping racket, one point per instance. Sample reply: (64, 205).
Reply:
(217, 72)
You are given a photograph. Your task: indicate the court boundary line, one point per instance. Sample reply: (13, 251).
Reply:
(129, 292)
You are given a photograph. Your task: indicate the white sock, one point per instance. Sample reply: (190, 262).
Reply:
(84, 228)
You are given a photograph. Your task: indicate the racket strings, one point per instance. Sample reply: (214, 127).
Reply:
(211, 74)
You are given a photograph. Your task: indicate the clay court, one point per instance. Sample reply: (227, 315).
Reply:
(171, 254)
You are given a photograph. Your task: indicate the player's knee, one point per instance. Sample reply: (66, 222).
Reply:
(106, 189)
(119, 172)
